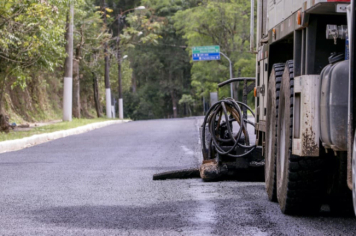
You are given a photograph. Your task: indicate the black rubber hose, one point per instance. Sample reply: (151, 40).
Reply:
(203, 130)
(210, 120)
(227, 123)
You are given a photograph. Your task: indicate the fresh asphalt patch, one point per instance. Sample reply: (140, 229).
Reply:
(100, 183)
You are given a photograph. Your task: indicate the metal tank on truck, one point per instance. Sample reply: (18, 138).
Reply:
(305, 102)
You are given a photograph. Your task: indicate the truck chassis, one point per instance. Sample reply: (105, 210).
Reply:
(306, 140)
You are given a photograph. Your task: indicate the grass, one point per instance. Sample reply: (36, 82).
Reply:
(49, 128)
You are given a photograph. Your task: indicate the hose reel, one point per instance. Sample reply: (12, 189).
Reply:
(218, 138)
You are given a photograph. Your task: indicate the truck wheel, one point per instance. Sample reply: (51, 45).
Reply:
(339, 194)
(299, 179)
(354, 173)
(271, 134)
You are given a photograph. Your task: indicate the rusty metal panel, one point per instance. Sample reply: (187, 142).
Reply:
(308, 143)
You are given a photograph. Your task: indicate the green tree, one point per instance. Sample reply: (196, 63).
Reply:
(89, 35)
(187, 100)
(31, 38)
(162, 67)
(224, 23)
(136, 28)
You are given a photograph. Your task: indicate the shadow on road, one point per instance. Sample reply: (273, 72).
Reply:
(162, 216)
(249, 208)
(248, 175)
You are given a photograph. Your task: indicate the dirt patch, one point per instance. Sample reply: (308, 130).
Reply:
(30, 126)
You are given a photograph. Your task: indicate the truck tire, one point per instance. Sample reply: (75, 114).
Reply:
(340, 196)
(354, 173)
(274, 84)
(300, 180)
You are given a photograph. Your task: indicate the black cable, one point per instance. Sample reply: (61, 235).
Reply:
(212, 123)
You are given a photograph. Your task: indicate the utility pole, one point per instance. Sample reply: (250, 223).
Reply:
(121, 102)
(68, 67)
(107, 81)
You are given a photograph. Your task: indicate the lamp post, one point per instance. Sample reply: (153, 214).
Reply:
(119, 21)
(231, 90)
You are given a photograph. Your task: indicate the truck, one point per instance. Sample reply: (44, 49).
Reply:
(305, 102)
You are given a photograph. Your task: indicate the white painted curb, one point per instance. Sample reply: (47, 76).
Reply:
(18, 144)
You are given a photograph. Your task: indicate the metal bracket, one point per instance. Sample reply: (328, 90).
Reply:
(335, 32)
(261, 90)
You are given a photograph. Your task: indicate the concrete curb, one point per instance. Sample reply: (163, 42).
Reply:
(18, 144)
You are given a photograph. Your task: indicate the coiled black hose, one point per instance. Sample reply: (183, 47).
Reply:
(213, 119)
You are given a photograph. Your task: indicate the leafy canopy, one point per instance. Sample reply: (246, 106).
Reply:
(224, 23)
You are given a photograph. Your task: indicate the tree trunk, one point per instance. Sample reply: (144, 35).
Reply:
(174, 104)
(134, 82)
(96, 95)
(2, 91)
(3, 77)
(76, 83)
(4, 123)
(84, 109)
(174, 99)
(119, 60)
(76, 89)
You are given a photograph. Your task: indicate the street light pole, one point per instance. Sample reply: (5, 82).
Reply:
(119, 19)
(231, 90)
(107, 80)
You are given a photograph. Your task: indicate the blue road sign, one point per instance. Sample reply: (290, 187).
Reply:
(206, 53)
(206, 56)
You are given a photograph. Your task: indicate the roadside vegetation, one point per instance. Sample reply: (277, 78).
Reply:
(47, 128)
(159, 79)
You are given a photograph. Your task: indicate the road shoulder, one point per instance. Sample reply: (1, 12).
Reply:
(18, 144)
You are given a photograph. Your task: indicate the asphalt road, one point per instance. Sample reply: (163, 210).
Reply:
(100, 183)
